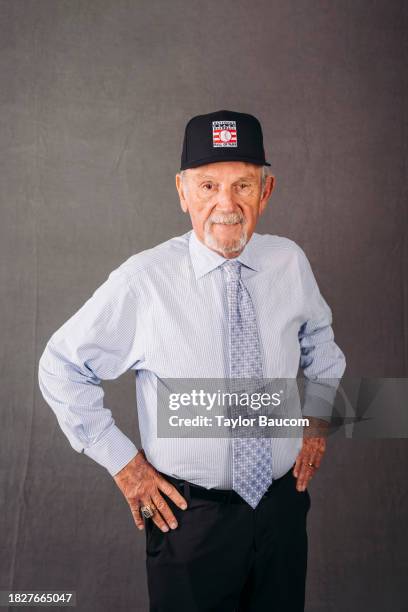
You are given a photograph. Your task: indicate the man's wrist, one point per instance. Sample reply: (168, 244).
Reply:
(317, 428)
(139, 458)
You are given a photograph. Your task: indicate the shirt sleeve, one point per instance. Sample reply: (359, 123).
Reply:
(98, 342)
(322, 361)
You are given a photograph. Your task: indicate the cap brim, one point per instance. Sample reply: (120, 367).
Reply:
(211, 160)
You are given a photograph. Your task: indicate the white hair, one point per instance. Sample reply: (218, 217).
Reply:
(265, 172)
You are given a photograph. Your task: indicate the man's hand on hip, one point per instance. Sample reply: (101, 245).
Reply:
(311, 453)
(141, 484)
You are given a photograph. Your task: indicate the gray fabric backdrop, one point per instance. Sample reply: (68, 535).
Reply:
(94, 98)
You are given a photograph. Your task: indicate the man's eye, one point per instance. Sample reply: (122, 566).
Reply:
(207, 186)
(243, 185)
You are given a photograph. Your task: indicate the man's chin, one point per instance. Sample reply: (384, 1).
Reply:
(225, 245)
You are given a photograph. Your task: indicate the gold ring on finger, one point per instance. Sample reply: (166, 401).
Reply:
(148, 510)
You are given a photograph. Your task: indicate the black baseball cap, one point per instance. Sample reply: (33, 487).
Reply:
(224, 135)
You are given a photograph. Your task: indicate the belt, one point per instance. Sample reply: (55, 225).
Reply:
(228, 496)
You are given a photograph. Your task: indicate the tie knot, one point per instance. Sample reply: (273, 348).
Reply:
(232, 269)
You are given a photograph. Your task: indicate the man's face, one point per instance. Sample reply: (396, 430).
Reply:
(224, 200)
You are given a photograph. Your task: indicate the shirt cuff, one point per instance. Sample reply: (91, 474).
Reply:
(319, 399)
(113, 451)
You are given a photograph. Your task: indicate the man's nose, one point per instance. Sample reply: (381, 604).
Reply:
(225, 200)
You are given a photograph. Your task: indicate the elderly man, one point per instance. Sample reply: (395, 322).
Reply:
(225, 518)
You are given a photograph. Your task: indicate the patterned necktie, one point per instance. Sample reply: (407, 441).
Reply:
(252, 461)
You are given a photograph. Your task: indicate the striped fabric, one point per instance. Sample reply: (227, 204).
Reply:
(164, 314)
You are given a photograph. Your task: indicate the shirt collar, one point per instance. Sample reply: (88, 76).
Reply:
(205, 260)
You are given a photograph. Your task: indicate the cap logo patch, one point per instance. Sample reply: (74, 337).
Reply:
(224, 133)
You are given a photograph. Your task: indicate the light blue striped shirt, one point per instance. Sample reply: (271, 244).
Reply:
(163, 314)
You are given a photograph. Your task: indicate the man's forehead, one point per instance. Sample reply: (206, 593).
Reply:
(217, 170)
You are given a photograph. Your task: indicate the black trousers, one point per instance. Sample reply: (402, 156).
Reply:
(226, 557)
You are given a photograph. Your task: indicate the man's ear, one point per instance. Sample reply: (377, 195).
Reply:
(269, 187)
(179, 187)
